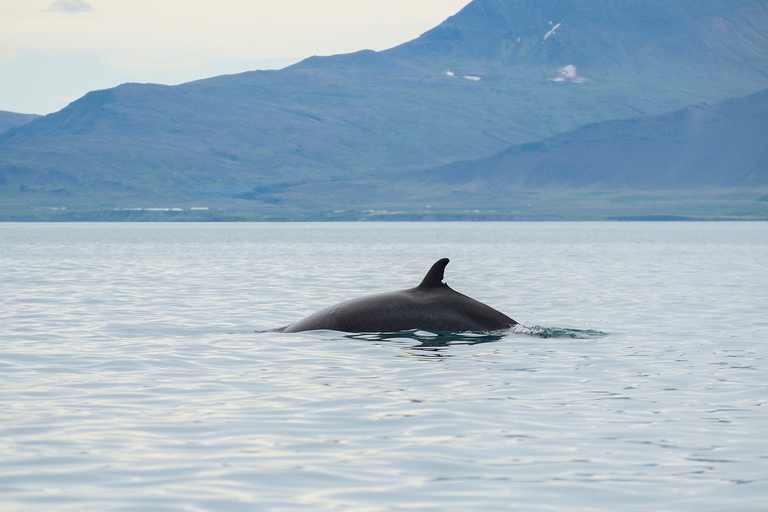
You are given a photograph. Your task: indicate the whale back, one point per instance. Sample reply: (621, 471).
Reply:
(431, 306)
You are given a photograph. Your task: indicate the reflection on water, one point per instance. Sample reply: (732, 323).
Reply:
(438, 340)
(429, 340)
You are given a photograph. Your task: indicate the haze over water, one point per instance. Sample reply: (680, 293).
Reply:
(132, 376)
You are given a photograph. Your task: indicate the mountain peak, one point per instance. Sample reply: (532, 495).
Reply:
(598, 35)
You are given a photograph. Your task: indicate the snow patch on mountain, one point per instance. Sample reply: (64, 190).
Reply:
(551, 32)
(569, 73)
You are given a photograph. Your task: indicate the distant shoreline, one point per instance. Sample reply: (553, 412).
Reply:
(326, 217)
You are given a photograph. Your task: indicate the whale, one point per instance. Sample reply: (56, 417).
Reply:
(431, 306)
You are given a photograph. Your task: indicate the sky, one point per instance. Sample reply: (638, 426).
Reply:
(54, 51)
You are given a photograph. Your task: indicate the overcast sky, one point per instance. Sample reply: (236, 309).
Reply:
(54, 51)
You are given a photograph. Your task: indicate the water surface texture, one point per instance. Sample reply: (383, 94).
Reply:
(132, 376)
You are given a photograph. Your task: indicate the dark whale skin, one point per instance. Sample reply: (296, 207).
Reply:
(431, 306)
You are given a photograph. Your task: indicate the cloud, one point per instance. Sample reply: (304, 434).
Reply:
(70, 6)
(7, 52)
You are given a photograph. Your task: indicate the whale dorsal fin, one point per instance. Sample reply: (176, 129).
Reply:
(434, 277)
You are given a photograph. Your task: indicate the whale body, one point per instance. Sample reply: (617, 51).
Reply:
(431, 306)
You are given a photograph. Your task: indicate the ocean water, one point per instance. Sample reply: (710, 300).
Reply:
(133, 375)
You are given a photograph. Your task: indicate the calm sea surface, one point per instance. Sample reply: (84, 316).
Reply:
(132, 375)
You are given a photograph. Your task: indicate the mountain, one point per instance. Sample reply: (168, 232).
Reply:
(499, 72)
(709, 145)
(10, 120)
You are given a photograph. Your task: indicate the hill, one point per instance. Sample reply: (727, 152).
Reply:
(10, 120)
(717, 145)
(499, 72)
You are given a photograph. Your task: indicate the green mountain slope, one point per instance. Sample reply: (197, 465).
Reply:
(499, 72)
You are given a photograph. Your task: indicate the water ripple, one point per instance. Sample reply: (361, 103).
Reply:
(131, 377)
